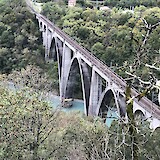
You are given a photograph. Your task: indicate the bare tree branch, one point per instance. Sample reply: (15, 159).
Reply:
(152, 67)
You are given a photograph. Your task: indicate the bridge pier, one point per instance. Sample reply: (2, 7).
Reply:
(49, 40)
(86, 83)
(95, 92)
(66, 61)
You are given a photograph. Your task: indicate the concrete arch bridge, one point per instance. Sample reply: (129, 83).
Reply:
(102, 89)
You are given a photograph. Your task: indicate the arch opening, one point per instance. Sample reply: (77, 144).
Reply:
(40, 24)
(45, 28)
(53, 51)
(74, 84)
(157, 130)
(139, 117)
(108, 110)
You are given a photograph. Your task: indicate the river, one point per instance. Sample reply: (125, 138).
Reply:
(78, 105)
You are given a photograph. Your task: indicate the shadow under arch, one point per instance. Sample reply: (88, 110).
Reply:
(52, 50)
(75, 82)
(157, 130)
(73, 86)
(139, 116)
(108, 108)
(78, 82)
(40, 25)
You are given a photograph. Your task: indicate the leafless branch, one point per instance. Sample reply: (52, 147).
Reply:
(141, 49)
(152, 67)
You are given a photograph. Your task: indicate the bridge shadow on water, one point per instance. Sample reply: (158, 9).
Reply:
(78, 105)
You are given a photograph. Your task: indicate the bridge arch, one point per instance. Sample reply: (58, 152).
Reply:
(75, 82)
(157, 130)
(73, 77)
(40, 25)
(139, 116)
(45, 28)
(108, 105)
(139, 112)
(53, 50)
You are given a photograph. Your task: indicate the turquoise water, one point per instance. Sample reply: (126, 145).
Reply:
(111, 116)
(78, 105)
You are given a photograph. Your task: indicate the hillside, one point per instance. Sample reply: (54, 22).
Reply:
(29, 128)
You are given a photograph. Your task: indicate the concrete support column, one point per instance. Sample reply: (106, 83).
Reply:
(86, 85)
(48, 41)
(44, 34)
(59, 45)
(40, 25)
(44, 30)
(66, 61)
(59, 50)
(95, 92)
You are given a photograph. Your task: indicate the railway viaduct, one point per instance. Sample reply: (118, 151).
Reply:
(102, 89)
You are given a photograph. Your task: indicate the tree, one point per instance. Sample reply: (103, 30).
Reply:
(83, 138)
(30, 129)
(18, 32)
(32, 77)
(26, 124)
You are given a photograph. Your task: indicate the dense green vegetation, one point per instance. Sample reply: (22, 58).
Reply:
(31, 130)
(111, 3)
(131, 3)
(21, 48)
(125, 40)
(29, 127)
(118, 37)
(20, 40)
